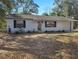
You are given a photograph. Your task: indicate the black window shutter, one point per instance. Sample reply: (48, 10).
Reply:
(14, 23)
(55, 24)
(24, 24)
(45, 23)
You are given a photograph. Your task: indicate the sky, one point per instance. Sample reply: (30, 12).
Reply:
(44, 5)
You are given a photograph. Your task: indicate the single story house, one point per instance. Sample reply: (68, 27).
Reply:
(35, 23)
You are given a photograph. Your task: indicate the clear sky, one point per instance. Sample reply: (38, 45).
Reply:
(44, 5)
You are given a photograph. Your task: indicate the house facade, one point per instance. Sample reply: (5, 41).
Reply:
(32, 23)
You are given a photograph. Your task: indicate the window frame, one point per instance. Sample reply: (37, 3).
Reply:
(15, 24)
(49, 25)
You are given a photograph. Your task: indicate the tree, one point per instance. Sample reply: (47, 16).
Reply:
(4, 6)
(45, 14)
(12, 6)
(28, 6)
(68, 8)
(58, 9)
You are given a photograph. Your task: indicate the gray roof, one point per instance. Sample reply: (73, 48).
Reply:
(38, 18)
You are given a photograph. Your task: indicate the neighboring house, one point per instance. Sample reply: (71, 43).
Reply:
(34, 23)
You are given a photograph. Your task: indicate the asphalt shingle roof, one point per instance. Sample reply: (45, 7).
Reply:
(38, 18)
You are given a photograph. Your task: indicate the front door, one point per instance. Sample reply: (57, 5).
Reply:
(39, 26)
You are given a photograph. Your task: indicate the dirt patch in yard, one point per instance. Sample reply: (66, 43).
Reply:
(38, 46)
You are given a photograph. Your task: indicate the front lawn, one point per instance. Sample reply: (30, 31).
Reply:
(39, 46)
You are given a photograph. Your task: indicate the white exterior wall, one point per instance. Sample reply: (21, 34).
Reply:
(72, 25)
(30, 26)
(60, 25)
(33, 26)
(10, 25)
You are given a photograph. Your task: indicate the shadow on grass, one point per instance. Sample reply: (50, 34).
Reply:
(45, 49)
(41, 47)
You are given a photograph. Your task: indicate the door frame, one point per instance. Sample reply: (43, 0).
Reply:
(39, 26)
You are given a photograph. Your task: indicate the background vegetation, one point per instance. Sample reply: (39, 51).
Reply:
(12, 7)
(65, 8)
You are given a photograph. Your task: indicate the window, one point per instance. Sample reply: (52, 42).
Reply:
(19, 23)
(50, 23)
